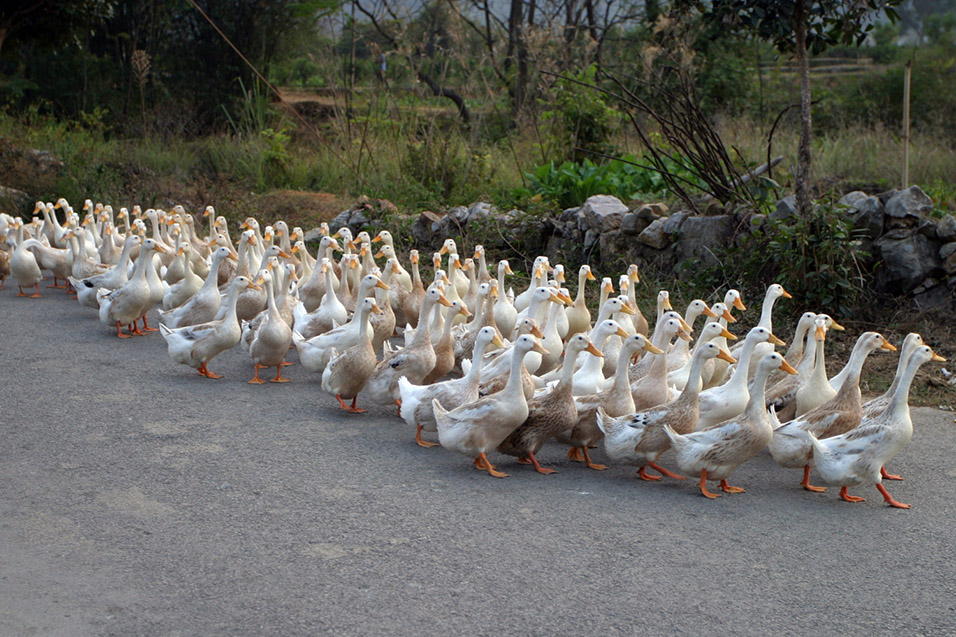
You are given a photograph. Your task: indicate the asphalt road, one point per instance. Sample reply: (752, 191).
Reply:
(139, 498)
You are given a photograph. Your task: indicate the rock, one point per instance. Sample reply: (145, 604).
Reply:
(927, 228)
(912, 202)
(949, 263)
(672, 224)
(654, 235)
(947, 249)
(659, 209)
(946, 228)
(907, 259)
(850, 199)
(12, 199)
(700, 236)
(425, 226)
(341, 220)
(315, 234)
(44, 160)
(867, 215)
(715, 208)
(480, 211)
(591, 237)
(459, 214)
(603, 212)
(570, 214)
(357, 220)
(931, 293)
(650, 212)
(786, 208)
(614, 246)
(632, 225)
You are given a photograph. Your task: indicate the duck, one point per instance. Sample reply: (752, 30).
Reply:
(205, 303)
(651, 389)
(839, 415)
(539, 271)
(412, 303)
(715, 453)
(483, 275)
(495, 373)
(55, 260)
(458, 278)
(315, 353)
(815, 389)
(859, 456)
(268, 336)
(732, 300)
(196, 345)
(782, 393)
(639, 438)
(86, 289)
(589, 378)
(679, 377)
(506, 316)
(614, 401)
(4, 266)
(484, 317)
(550, 412)
(346, 374)
(579, 317)
(414, 362)
(730, 399)
(128, 303)
(416, 399)
(679, 354)
(315, 287)
(445, 347)
(327, 316)
(876, 406)
(774, 291)
(476, 428)
(184, 289)
(23, 265)
(551, 338)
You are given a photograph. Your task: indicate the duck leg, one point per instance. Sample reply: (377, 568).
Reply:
(119, 332)
(56, 285)
(255, 379)
(146, 326)
(398, 411)
(703, 486)
(889, 476)
(805, 483)
(21, 292)
(574, 454)
(726, 488)
(205, 372)
(279, 378)
(665, 472)
(644, 475)
(889, 499)
(530, 459)
(351, 409)
(418, 438)
(850, 498)
(134, 329)
(482, 463)
(587, 461)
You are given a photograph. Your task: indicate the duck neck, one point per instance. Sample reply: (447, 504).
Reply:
(449, 322)
(819, 370)
(739, 379)
(566, 373)
(902, 368)
(416, 277)
(851, 371)
(423, 333)
(513, 388)
(757, 405)
(899, 399)
(766, 312)
(692, 388)
(796, 347)
(212, 279)
(579, 300)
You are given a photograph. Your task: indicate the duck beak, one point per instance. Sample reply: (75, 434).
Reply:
(620, 332)
(395, 268)
(538, 347)
(820, 333)
(667, 304)
(739, 304)
(443, 301)
(725, 355)
(160, 248)
(590, 276)
(836, 326)
(651, 349)
(508, 270)
(567, 299)
(284, 254)
(591, 349)
(414, 258)
(627, 309)
(727, 316)
(383, 285)
(443, 249)
(888, 346)
(377, 238)
(683, 335)
(709, 312)
(786, 295)
(497, 342)
(554, 298)
(377, 309)
(379, 254)
(726, 334)
(787, 367)
(937, 357)
(464, 311)
(687, 328)
(536, 332)
(776, 341)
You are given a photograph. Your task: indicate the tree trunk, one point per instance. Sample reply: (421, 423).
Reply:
(802, 185)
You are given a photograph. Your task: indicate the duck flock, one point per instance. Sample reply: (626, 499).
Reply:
(485, 369)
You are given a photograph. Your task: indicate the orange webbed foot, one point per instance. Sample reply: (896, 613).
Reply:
(726, 488)
(850, 498)
(703, 486)
(644, 475)
(574, 454)
(889, 476)
(531, 459)
(592, 465)
(805, 483)
(889, 499)
(424, 443)
(665, 472)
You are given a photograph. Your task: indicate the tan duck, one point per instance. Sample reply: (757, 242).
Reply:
(414, 362)
(128, 303)
(651, 390)
(715, 453)
(477, 428)
(445, 347)
(345, 375)
(551, 412)
(637, 319)
(640, 439)
(782, 394)
(839, 415)
(268, 336)
(314, 288)
(615, 401)
(412, 303)
(417, 399)
(579, 317)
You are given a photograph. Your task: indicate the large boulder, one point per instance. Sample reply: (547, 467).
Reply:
(700, 237)
(907, 259)
(946, 229)
(603, 213)
(424, 228)
(912, 202)
(786, 208)
(866, 212)
(12, 199)
(654, 235)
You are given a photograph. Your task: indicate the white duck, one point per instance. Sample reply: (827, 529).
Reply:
(268, 336)
(330, 313)
(506, 316)
(196, 345)
(128, 303)
(860, 455)
(875, 407)
(23, 265)
(205, 303)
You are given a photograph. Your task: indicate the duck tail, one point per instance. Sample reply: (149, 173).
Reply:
(677, 440)
(606, 423)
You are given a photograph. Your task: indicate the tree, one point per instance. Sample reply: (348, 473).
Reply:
(801, 27)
